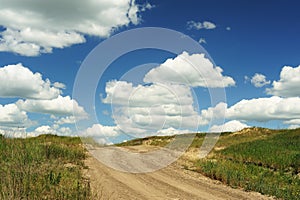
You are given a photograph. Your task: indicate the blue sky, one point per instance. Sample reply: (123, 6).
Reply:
(251, 41)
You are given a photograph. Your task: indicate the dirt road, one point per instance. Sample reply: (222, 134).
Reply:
(171, 182)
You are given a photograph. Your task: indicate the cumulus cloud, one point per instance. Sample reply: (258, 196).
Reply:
(288, 84)
(59, 106)
(193, 70)
(260, 109)
(152, 106)
(40, 96)
(28, 42)
(231, 126)
(13, 132)
(219, 111)
(11, 115)
(125, 93)
(19, 81)
(165, 103)
(46, 129)
(98, 130)
(35, 27)
(259, 80)
(292, 121)
(66, 120)
(265, 109)
(200, 25)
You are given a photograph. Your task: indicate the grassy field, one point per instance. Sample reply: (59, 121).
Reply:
(255, 159)
(258, 160)
(45, 167)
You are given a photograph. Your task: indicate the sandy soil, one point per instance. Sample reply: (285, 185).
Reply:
(172, 182)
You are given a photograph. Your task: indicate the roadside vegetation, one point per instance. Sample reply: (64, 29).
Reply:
(45, 167)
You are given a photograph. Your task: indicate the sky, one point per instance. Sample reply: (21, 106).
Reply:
(246, 72)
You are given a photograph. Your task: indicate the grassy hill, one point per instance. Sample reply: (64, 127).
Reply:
(256, 159)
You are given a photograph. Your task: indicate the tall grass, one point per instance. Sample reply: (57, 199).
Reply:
(46, 167)
(279, 152)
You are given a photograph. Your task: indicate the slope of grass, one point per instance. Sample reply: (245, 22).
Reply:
(279, 152)
(260, 160)
(46, 167)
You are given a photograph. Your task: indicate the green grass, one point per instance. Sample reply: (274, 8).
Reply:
(259, 160)
(45, 167)
(252, 178)
(278, 152)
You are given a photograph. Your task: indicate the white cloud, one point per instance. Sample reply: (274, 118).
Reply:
(28, 42)
(59, 106)
(166, 104)
(260, 109)
(66, 120)
(171, 131)
(288, 85)
(219, 111)
(208, 25)
(147, 6)
(11, 115)
(259, 80)
(12, 132)
(231, 126)
(19, 81)
(35, 27)
(265, 109)
(124, 93)
(98, 130)
(200, 25)
(138, 109)
(59, 85)
(228, 28)
(193, 70)
(65, 131)
(17, 132)
(46, 129)
(202, 41)
(294, 126)
(292, 121)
